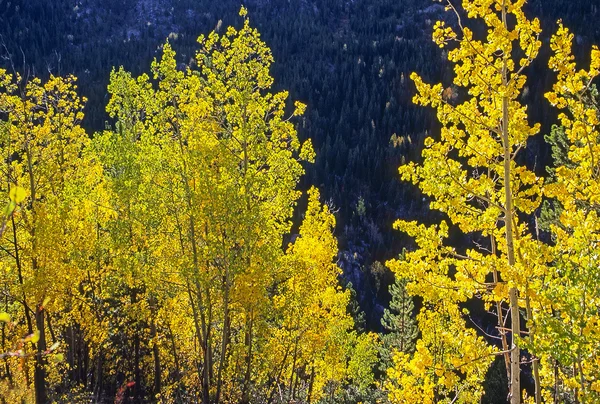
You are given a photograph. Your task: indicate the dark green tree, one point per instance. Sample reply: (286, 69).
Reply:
(399, 322)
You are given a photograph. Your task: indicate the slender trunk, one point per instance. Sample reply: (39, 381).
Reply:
(515, 352)
(197, 312)
(225, 337)
(80, 360)
(98, 379)
(137, 374)
(156, 354)
(5, 348)
(48, 320)
(196, 316)
(278, 378)
(26, 308)
(137, 371)
(71, 351)
(501, 324)
(78, 347)
(581, 380)
(311, 384)
(206, 326)
(297, 380)
(86, 362)
(39, 374)
(207, 351)
(41, 395)
(575, 390)
(174, 350)
(556, 381)
(155, 350)
(247, 376)
(536, 362)
(295, 358)
(515, 320)
(198, 337)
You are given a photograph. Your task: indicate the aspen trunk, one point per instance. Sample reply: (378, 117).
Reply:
(174, 351)
(247, 376)
(225, 336)
(515, 319)
(26, 308)
(515, 353)
(97, 391)
(39, 376)
(506, 354)
(290, 388)
(199, 336)
(311, 384)
(535, 365)
(155, 350)
(137, 388)
(156, 355)
(8, 374)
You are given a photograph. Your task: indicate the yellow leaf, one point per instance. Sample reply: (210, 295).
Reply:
(17, 194)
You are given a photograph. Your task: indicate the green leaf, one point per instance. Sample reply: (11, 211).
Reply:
(5, 317)
(10, 207)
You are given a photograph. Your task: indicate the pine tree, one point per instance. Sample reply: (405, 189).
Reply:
(400, 323)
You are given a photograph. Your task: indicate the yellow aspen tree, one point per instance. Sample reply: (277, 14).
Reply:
(133, 277)
(567, 315)
(42, 143)
(152, 162)
(86, 327)
(216, 148)
(12, 387)
(314, 347)
(472, 175)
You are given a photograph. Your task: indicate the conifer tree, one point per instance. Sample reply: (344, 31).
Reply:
(399, 322)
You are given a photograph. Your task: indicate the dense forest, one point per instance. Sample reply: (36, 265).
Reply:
(203, 204)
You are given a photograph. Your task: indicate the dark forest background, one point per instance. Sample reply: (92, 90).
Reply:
(348, 60)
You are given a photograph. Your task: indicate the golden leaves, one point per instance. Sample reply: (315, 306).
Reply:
(463, 173)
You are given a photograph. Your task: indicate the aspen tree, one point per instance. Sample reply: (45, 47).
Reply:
(314, 346)
(42, 145)
(214, 145)
(567, 315)
(472, 175)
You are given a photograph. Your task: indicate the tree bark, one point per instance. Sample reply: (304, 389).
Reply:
(311, 384)
(155, 350)
(41, 395)
(137, 393)
(515, 353)
(225, 336)
(247, 376)
(501, 324)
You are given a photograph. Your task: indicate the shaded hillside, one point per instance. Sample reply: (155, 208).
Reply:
(348, 60)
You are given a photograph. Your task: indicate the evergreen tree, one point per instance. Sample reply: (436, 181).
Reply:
(399, 321)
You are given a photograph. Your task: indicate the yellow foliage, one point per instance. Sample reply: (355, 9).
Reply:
(471, 175)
